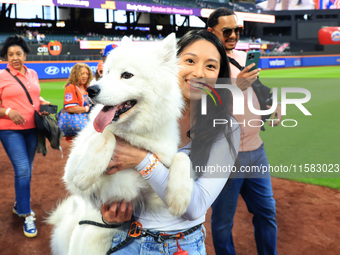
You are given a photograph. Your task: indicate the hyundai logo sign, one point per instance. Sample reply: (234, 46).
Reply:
(52, 70)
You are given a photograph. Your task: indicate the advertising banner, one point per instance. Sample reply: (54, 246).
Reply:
(299, 61)
(329, 35)
(62, 69)
(54, 70)
(128, 6)
(143, 7)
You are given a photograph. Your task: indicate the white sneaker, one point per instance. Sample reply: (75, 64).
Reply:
(29, 227)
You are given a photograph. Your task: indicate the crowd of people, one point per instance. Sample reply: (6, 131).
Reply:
(241, 145)
(35, 35)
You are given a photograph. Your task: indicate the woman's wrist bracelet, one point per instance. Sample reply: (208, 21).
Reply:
(153, 162)
(7, 111)
(87, 108)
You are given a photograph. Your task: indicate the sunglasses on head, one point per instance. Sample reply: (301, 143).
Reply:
(228, 31)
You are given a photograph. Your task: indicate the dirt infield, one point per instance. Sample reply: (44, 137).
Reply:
(308, 216)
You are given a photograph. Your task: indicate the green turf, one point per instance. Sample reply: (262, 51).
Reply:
(315, 140)
(53, 91)
(307, 72)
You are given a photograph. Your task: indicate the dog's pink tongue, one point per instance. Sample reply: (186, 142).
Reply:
(104, 118)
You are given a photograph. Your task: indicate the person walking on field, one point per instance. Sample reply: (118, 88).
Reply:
(255, 189)
(18, 133)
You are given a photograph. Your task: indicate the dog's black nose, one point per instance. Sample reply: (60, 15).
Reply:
(93, 91)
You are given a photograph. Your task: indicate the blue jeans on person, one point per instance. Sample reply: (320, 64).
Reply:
(20, 146)
(192, 243)
(257, 193)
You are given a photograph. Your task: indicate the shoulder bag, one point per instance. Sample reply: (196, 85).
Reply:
(263, 93)
(40, 122)
(72, 123)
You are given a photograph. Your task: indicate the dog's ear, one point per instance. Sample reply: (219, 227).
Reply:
(126, 41)
(168, 48)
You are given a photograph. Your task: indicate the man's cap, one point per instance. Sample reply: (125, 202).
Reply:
(108, 48)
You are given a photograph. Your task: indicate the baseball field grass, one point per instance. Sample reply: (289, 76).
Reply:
(312, 147)
(304, 148)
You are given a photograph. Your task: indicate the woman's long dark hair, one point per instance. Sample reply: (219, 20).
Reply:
(203, 134)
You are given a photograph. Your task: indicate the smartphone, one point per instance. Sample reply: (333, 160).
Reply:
(253, 57)
(49, 108)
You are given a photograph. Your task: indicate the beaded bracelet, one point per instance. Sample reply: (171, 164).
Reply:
(149, 168)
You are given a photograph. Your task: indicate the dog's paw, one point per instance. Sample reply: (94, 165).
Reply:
(177, 200)
(180, 185)
(83, 181)
(87, 165)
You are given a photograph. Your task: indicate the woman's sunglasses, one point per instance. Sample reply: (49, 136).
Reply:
(228, 31)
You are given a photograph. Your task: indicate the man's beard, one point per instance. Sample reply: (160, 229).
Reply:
(227, 44)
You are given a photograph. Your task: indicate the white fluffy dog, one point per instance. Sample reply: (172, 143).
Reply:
(140, 101)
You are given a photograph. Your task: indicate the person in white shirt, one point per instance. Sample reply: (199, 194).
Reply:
(255, 188)
(206, 145)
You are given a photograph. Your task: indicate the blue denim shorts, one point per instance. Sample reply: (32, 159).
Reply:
(192, 243)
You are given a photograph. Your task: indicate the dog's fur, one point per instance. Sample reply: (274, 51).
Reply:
(150, 124)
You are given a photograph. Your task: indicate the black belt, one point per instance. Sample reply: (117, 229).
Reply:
(136, 231)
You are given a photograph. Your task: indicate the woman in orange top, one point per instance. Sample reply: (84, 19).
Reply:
(18, 132)
(75, 97)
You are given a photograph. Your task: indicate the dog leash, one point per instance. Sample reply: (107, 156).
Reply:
(136, 230)
(97, 224)
(104, 225)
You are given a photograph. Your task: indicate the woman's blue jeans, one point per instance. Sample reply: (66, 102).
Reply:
(256, 191)
(192, 243)
(20, 146)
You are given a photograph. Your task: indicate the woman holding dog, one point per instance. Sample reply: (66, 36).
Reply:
(202, 59)
(18, 132)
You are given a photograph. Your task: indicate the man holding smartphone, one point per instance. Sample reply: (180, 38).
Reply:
(256, 189)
